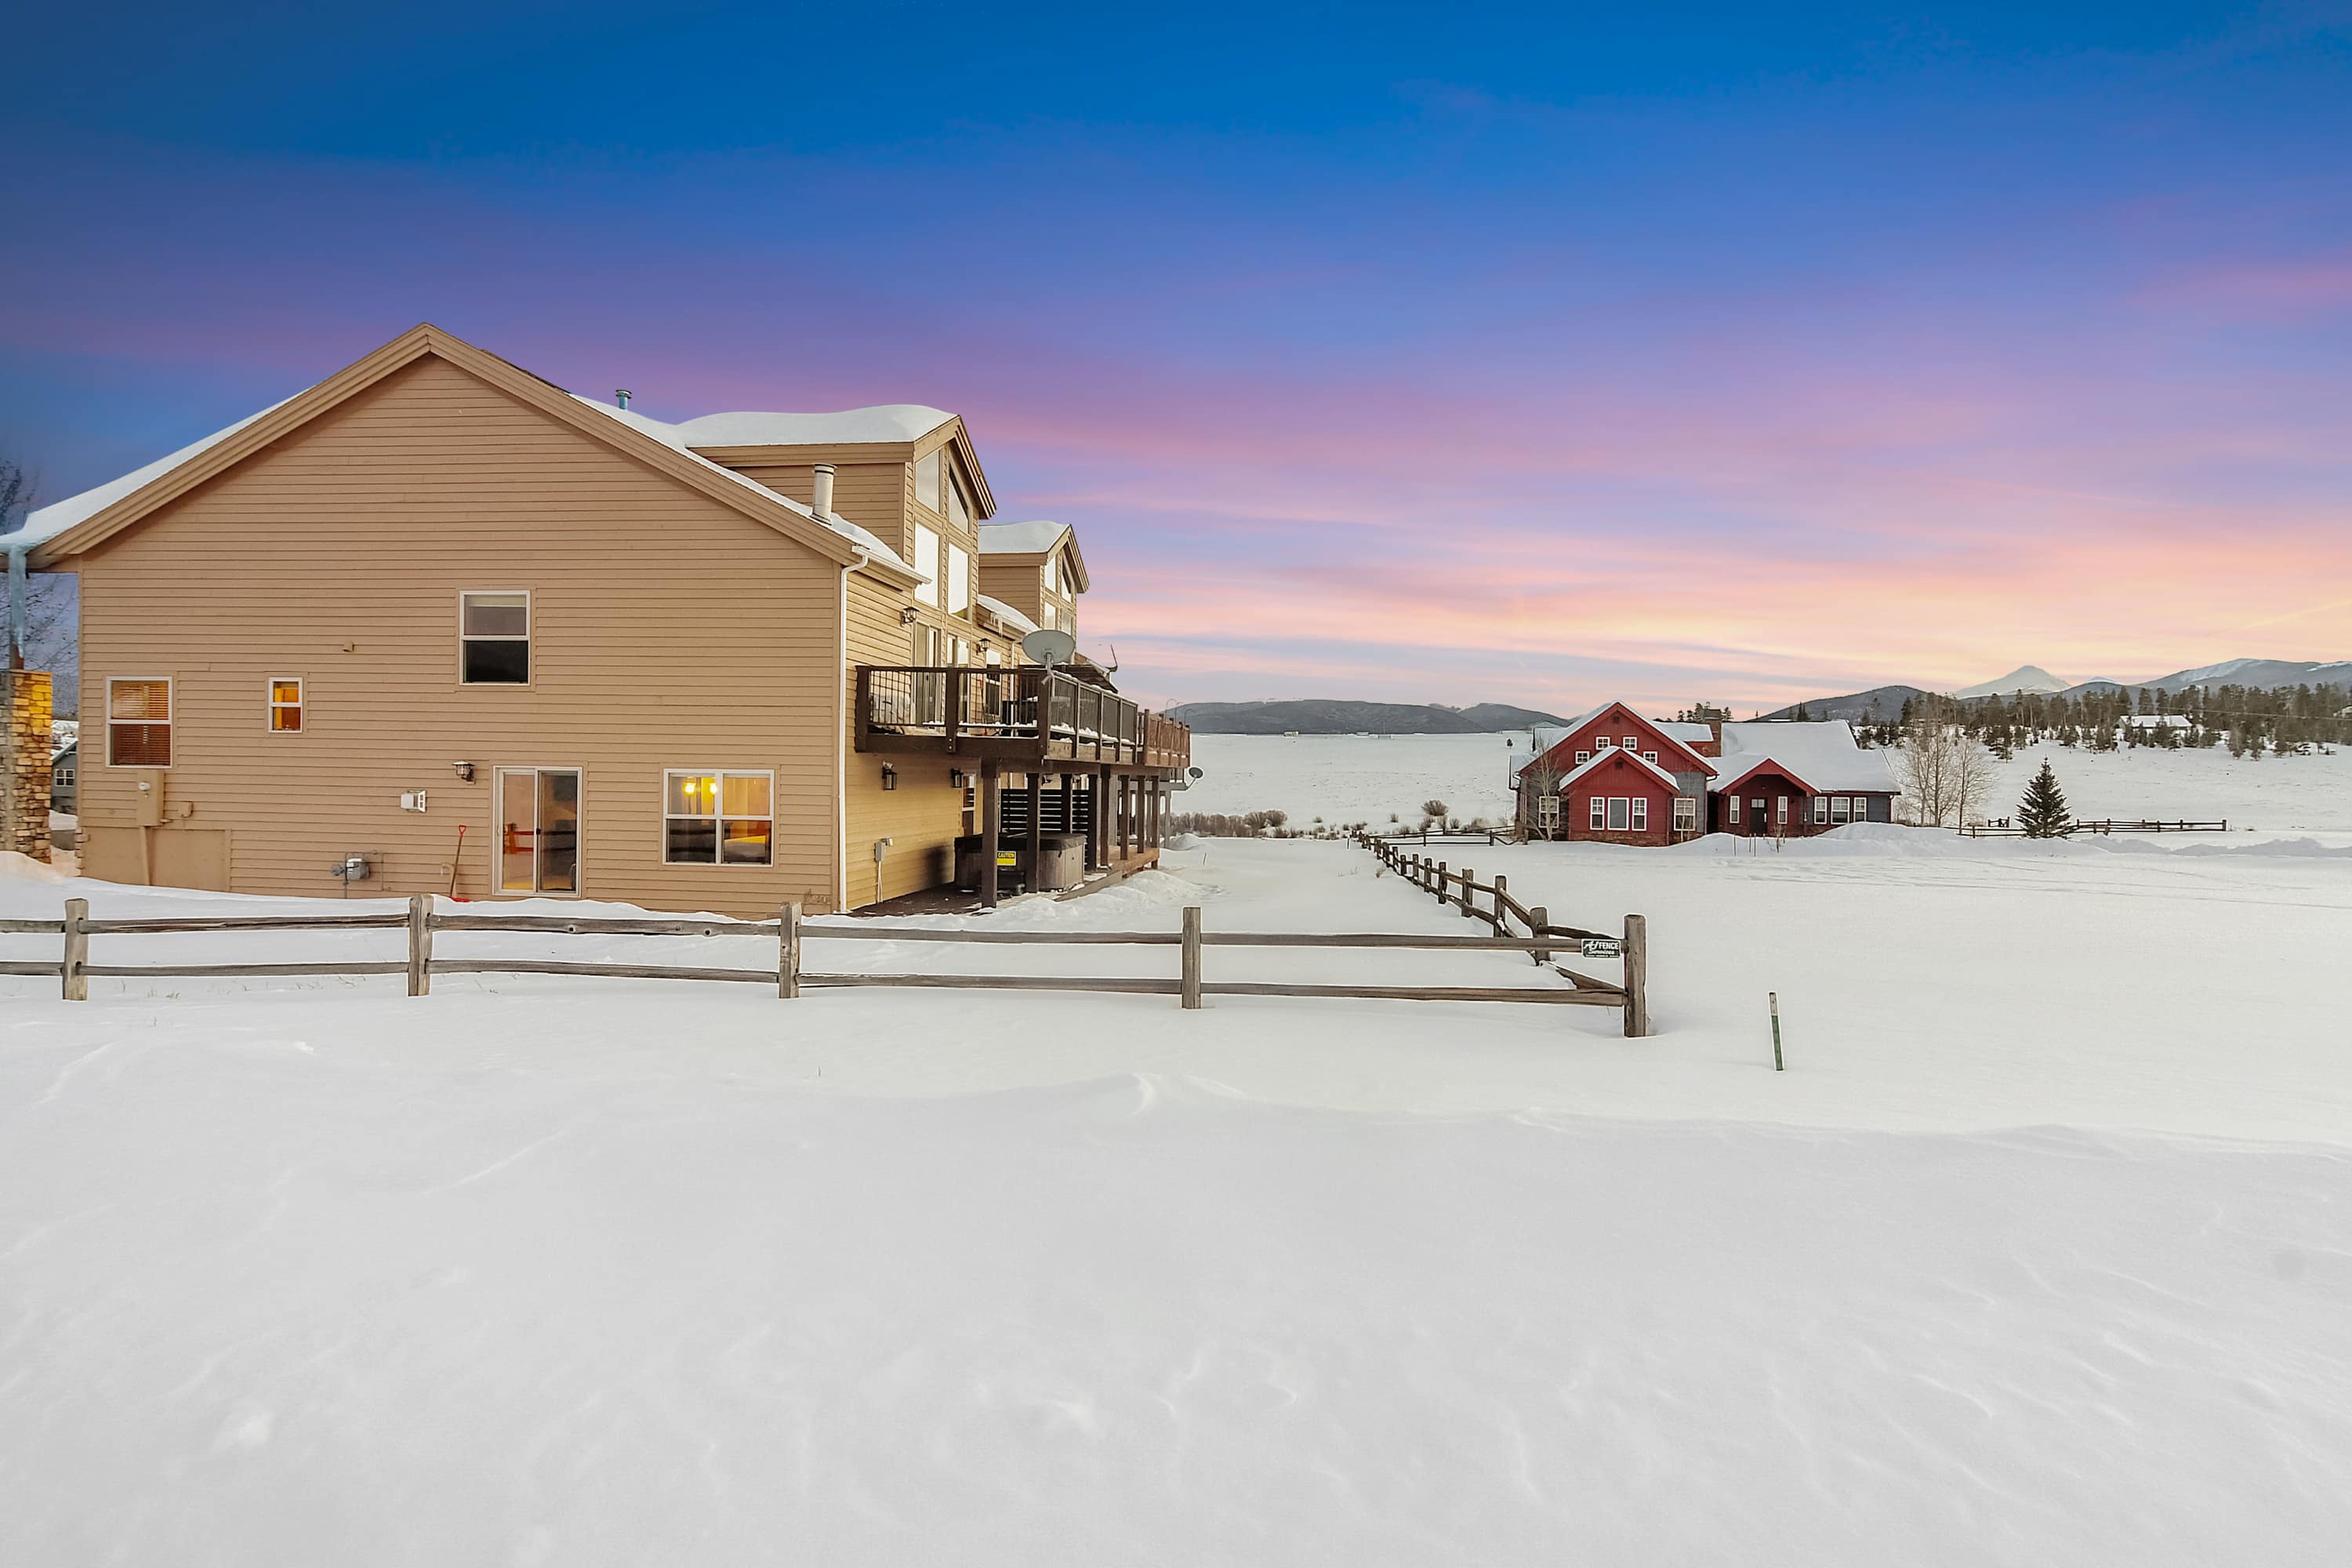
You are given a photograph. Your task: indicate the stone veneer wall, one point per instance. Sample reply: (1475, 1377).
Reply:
(25, 704)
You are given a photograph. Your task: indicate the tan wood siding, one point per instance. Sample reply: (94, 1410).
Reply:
(924, 815)
(668, 631)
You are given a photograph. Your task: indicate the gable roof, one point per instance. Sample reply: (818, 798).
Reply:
(1039, 538)
(1007, 614)
(1821, 756)
(1549, 738)
(78, 523)
(1607, 755)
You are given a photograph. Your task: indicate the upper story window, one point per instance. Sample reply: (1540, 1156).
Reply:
(285, 704)
(494, 632)
(138, 721)
(927, 482)
(959, 580)
(959, 509)
(927, 562)
(1049, 575)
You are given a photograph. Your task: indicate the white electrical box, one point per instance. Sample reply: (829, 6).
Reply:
(412, 800)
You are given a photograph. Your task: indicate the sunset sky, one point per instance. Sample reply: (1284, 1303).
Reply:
(1418, 354)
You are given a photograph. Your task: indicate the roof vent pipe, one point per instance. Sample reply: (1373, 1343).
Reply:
(821, 495)
(621, 395)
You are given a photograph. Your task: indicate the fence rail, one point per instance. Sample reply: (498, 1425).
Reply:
(1462, 890)
(74, 968)
(2004, 828)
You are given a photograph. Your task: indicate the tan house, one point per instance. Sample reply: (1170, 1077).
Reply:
(435, 625)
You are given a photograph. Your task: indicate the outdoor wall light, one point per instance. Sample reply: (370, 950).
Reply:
(889, 776)
(465, 772)
(909, 615)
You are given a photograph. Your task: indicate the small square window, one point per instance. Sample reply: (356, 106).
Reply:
(284, 705)
(1582, 758)
(1649, 756)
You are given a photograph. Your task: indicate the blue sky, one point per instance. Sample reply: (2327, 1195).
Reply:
(1531, 356)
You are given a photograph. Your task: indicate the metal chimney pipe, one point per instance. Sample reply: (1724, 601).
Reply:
(821, 502)
(621, 394)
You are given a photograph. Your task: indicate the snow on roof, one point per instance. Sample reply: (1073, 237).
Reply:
(1822, 753)
(849, 427)
(1606, 755)
(670, 435)
(46, 522)
(1007, 614)
(1683, 731)
(1021, 538)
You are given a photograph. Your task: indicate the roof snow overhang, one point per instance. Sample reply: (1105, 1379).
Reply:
(1767, 766)
(844, 544)
(1034, 541)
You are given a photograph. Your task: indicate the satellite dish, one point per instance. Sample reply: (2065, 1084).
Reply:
(1196, 773)
(1049, 647)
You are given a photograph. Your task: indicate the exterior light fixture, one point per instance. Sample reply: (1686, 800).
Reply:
(465, 772)
(908, 615)
(889, 776)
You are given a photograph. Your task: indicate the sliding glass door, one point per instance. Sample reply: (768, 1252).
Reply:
(539, 830)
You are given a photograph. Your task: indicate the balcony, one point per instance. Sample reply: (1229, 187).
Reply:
(1029, 714)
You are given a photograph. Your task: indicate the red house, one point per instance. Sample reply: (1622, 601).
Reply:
(1613, 754)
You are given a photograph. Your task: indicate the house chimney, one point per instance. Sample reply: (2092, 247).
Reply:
(621, 395)
(820, 501)
(1714, 727)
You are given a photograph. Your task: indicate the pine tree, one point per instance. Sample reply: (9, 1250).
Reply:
(2043, 812)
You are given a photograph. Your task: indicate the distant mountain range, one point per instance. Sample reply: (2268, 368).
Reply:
(1329, 715)
(1883, 703)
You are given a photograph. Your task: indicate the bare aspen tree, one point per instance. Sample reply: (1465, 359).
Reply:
(1946, 774)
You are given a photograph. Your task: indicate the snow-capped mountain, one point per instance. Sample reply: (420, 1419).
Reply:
(2025, 678)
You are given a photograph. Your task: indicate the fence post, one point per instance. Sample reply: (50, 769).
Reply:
(788, 951)
(76, 962)
(1538, 918)
(1191, 983)
(420, 944)
(1469, 891)
(1637, 977)
(1443, 877)
(1502, 888)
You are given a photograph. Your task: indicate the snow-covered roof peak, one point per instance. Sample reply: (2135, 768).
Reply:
(1021, 538)
(887, 421)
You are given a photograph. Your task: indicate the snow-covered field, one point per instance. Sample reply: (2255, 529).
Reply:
(1358, 778)
(2036, 1254)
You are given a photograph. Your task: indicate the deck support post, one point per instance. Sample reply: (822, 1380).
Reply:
(1030, 881)
(991, 822)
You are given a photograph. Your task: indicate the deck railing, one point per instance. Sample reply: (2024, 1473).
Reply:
(1026, 711)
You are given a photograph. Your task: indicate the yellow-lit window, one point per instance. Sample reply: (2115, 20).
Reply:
(284, 705)
(718, 819)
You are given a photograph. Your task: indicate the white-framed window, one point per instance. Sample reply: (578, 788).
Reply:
(927, 481)
(1630, 742)
(1780, 810)
(1841, 808)
(1548, 811)
(718, 816)
(1619, 808)
(1821, 810)
(1641, 820)
(1582, 758)
(1735, 806)
(958, 508)
(1601, 742)
(494, 636)
(927, 562)
(1649, 756)
(1599, 813)
(138, 721)
(1686, 814)
(285, 704)
(959, 580)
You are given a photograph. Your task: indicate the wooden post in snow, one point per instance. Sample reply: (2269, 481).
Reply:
(1191, 982)
(1637, 977)
(420, 944)
(74, 966)
(1774, 998)
(1502, 890)
(1469, 891)
(788, 951)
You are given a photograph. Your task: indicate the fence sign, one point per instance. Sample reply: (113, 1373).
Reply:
(1603, 947)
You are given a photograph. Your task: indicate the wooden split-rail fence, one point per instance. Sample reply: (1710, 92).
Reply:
(1542, 939)
(422, 922)
(2006, 829)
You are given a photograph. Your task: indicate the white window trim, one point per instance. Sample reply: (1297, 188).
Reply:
(1639, 819)
(497, 792)
(1600, 813)
(271, 705)
(1734, 813)
(722, 775)
(1601, 742)
(1582, 758)
(1649, 756)
(1620, 805)
(1686, 817)
(170, 721)
(1780, 810)
(530, 631)
(1547, 810)
(926, 592)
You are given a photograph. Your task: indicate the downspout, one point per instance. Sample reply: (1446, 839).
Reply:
(841, 680)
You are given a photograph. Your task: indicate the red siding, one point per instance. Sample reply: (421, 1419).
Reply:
(1620, 778)
(1617, 722)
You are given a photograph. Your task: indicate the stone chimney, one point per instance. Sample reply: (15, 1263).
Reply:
(25, 710)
